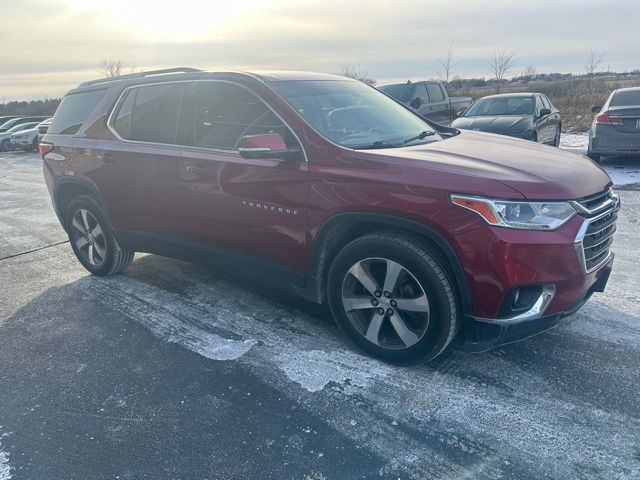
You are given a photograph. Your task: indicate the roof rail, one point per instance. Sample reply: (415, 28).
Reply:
(140, 75)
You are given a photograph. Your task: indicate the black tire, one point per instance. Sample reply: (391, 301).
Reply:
(4, 146)
(556, 139)
(113, 258)
(422, 265)
(534, 137)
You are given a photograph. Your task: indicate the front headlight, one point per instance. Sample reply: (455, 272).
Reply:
(521, 215)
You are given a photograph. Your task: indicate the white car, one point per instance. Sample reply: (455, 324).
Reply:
(27, 139)
(5, 137)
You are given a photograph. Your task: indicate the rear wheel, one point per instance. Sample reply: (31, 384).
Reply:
(92, 238)
(391, 295)
(534, 136)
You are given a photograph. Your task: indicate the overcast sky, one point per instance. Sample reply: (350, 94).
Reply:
(48, 46)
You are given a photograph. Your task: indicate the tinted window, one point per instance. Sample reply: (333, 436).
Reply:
(74, 110)
(122, 120)
(150, 113)
(223, 113)
(435, 92)
(539, 105)
(630, 98)
(401, 92)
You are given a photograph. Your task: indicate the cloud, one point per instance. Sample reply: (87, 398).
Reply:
(51, 45)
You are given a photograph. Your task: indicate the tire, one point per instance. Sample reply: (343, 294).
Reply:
(4, 146)
(421, 314)
(556, 139)
(92, 239)
(534, 137)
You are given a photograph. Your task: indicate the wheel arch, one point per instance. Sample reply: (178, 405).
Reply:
(66, 189)
(342, 228)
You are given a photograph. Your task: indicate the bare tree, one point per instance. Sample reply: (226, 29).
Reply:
(594, 59)
(445, 72)
(502, 62)
(353, 70)
(528, 73)
(110, 67)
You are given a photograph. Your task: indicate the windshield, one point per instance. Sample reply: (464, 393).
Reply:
(355, 115)
(501, 106)
(628, 98)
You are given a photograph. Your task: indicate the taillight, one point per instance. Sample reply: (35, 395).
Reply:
(44, 148)
(605, 119)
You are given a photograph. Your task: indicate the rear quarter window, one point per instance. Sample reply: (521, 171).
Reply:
(74, 110)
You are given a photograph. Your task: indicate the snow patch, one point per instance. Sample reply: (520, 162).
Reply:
(315, 369)
(5, 469)
(623, 170)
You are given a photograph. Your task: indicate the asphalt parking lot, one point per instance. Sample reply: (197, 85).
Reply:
(175, 372)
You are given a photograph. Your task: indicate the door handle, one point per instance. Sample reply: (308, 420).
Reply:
(200, 170)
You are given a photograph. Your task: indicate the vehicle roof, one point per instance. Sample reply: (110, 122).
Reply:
(627, 89)
(187, 73)
(506, 95)
(407, 83)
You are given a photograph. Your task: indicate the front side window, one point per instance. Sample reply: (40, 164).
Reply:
(546, 102)
(539, 105)
(74, 110)
(354, 115)
(224, 112)
(150, 113)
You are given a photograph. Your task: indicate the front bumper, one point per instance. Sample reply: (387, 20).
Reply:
(483, 334)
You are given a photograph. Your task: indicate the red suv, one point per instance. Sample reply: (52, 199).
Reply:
(330, 189)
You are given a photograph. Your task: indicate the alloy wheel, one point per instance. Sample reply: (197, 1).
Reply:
(385, 303)
(88, 237)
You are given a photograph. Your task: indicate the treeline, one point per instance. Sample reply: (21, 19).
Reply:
(458, 83)
(30, 107)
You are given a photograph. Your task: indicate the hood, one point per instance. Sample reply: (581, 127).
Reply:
(495, 123)
(538, 172)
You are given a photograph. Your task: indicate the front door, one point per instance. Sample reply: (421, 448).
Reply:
(253, 207)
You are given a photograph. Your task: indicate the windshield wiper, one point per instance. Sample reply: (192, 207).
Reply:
(420, 136)
(376, 144)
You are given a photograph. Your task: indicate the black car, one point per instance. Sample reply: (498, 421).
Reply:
(524, 115)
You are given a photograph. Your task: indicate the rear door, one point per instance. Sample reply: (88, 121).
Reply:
(255, 207)
(142, 154)
(439, 105)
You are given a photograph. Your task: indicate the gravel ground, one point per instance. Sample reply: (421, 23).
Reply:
(174, 372)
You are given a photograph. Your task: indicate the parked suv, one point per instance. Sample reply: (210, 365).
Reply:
(328, 188)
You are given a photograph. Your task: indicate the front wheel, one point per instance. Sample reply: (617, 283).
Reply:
(92, 238)
(4, 146)
(556, 139)
(390, 294)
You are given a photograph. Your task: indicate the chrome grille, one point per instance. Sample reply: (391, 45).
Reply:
(596, 235)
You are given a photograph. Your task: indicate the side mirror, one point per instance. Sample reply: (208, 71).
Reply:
(266, 145)
(544, 112)
(416, 102)
(596, 109)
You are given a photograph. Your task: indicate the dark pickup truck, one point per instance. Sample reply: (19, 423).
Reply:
(429, 99)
